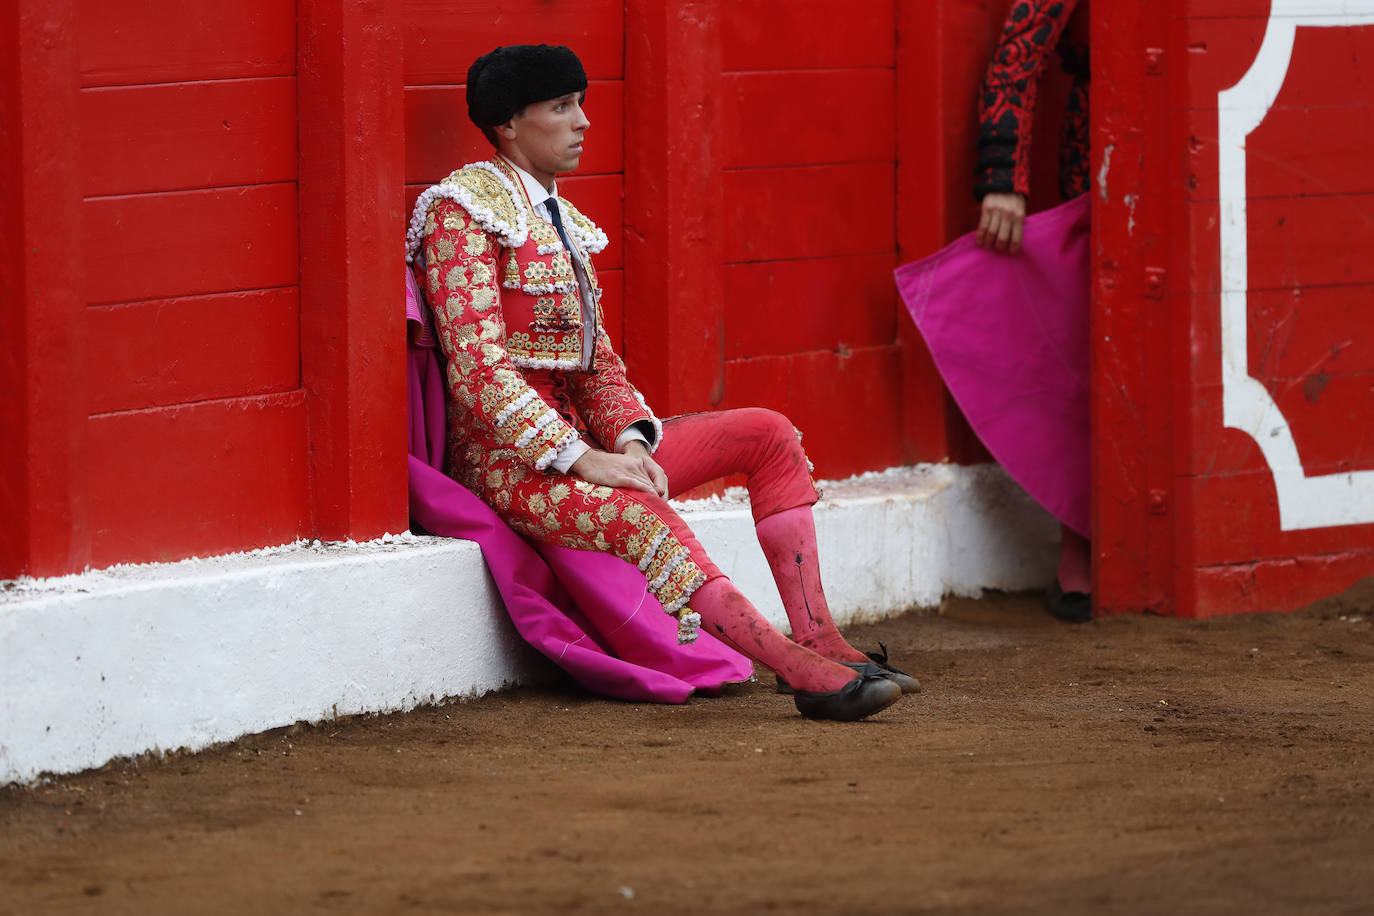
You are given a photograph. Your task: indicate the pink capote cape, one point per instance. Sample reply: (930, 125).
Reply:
(590, 613)
(1009, 334)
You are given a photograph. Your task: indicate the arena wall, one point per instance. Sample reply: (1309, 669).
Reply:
(203, 201)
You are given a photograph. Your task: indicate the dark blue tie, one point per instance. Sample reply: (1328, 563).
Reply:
(557, 219)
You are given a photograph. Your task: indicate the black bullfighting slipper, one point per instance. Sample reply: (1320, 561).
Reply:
(903, 680)
(870, 692)
(1071, 607)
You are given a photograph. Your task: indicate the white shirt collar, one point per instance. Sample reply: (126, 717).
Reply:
(536, 191)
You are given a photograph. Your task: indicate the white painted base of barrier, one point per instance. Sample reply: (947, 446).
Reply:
(184, 655)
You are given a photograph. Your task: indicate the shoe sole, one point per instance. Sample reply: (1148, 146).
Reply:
(877, 709)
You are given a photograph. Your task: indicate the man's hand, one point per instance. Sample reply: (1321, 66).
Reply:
(634, 470)
(1004, 216)
(640, 450)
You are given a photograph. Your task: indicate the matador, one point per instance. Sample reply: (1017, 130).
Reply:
(545, 427)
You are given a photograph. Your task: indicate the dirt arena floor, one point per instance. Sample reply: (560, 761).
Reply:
(1131, 765)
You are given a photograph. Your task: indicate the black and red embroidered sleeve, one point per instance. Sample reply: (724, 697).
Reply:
(1006, 106)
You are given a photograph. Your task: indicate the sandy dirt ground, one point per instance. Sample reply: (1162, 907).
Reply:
(1130, 765)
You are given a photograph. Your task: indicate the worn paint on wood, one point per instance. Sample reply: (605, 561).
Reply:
(443, 38)
(812, 304)
(198, 479)
(1243, 226)
(197, 348)
(807, 117)
(155, 246)
(188, 135)
(123, 43)
(352, 168)
(802, 34)
(44, 454)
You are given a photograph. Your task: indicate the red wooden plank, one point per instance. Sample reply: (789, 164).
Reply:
(613, 305)
(442, 40)
(185, 243)
(789, 34)
(1311, 241)
(1320, 152)
(764, 381)
(197, 480)
(673, 200)
(440, 138)
(1215, 52)
(1325, 68)
(352, 140)
(1293, 333)
(188, 135)
(1300, 332)
(412, 194)
(780, 307)
(1234, 518)
(174, 351)
(800, 117)
(846, 405)
(1331, 417)
(127, 43)
(44, 528)
(1273, 585)
(1293, 242)
(809, 212)
(1223, 9)
(923, 189)
(1134, 548)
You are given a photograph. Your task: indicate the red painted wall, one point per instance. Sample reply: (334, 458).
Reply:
(808, 155)
(203, 197)
(188, 163)
(181, 389)
(1192, 525)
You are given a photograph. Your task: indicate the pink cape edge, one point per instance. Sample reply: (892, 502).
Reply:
(1009, 335)
(590, 613)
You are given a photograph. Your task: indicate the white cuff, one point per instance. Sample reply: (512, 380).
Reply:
(631, 434)
(568, 457)
(645, 431)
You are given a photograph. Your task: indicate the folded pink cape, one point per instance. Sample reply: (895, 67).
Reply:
(1009, 334)
(589, 612)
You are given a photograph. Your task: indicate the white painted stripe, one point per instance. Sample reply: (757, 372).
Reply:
(1304, 502)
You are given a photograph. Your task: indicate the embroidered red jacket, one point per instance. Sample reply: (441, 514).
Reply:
(1006, 106)
(506, 305)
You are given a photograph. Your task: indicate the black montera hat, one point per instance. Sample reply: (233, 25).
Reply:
(502, 82)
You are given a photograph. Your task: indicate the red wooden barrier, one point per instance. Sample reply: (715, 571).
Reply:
(1232, 407)
(673, 287)
(352, 165)
(197, 199)
(240, 171)
(43, 440)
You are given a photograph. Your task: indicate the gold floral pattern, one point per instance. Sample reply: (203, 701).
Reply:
(471, 332)
(509, 312)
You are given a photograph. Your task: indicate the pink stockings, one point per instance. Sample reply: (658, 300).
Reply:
(1075, 561)
(728, 615)
(763, 445)
(788, 540)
